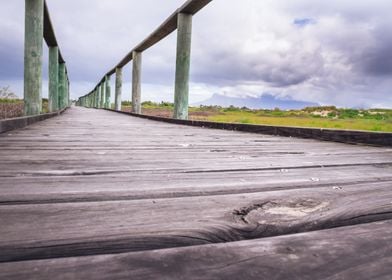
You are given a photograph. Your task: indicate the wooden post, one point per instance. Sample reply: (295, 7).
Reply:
(34, 29)
(136, 82)
(98, 97)
(102, 86)
(117, 105)
(66, 91)
(107, 100)
(181, 91)
(53, 79)
(94, 96)
(61, 90)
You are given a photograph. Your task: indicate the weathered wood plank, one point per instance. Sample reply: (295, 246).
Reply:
(63, 187)
(356, 252)
(94, 182)
(34, 231)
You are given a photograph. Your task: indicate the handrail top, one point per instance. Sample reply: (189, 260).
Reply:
(49, 34)
(166, 28)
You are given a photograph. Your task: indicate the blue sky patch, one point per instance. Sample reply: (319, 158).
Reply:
(302, 22)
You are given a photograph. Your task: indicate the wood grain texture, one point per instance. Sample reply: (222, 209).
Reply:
(144, 224)
(360, 252)
(94, 182)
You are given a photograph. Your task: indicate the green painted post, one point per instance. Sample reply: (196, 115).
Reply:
(67, 91)
(34, 29)
(136, 82)
(181, 91)
(61, 90)
(93, 99)
(96, 98)
(107, 99)
(53, 79)
(66, 87)
(117, 103)
(102, 86)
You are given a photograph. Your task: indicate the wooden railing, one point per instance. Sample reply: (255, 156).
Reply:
(181, 20)
(38, 26)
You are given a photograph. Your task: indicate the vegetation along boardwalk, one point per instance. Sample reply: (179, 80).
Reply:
(105, 195)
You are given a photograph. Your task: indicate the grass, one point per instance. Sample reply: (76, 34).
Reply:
(354, 124)
(318, 117)
(13, 108)
(328, 117)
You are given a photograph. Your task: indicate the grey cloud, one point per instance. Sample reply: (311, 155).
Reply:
(343, 56)
(11, 61)
(377, 60)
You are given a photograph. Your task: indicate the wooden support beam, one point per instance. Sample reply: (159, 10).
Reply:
(117, 105)
(49, 34)
(94, 99)
(67, 97)
(136, 82)
(166, 28)
(53, 79)
(102, 92)
(107, 93)
(98, 97)
(181, 91)
(61, 90)
(34, 25)
(190, 7)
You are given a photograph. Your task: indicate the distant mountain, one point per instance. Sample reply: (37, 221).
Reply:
(266, 101)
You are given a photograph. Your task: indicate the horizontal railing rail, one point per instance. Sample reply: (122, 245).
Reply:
(181, 20)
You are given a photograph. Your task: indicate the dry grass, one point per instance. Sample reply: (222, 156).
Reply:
(11, 109)
(14, 108)
(342, 119)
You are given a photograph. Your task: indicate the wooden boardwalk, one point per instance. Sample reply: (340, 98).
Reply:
(94, 194)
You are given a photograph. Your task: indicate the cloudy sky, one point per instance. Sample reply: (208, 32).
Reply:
(335, 52)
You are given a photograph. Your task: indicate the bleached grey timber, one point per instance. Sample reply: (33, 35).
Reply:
(136, 82)
(117, 103)
(86, 191)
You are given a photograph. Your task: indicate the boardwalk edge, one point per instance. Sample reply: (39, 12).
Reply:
(15, 123)
(382, 139)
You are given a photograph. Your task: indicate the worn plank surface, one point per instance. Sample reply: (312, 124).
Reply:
(360, 252)
(94, 182)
